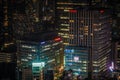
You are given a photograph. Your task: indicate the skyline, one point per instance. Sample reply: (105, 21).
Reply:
(79, 37)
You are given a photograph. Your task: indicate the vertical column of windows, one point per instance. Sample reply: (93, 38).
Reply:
(86, 14)
(82, 24)
(76, 25)
(70, 32)
(78, 28)
(84, 27)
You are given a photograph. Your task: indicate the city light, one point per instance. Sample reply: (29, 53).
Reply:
(73, 11)
(102, 11)
(111, 67)
(57, 39)
(41, 64)
(42, 43)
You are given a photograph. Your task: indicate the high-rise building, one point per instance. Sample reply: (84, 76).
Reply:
(40, 52)
(25, 19)
(47, 14)
(6, 23)
(7, 46)
(115, 6)
(86, 33)
(76, 58)
(62, 16)
(34, 16)
(116, 55)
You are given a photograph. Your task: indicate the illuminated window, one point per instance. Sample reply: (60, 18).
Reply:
(84, 70)
(6, 23)
(5, 33)
(91, 34)
(84, 61)
(76, 58)
(64, 29)
(64, 17)
(65, 25)
(82, 21)
(33, 50)
(65, 10)
(72, 21)
(95, 65)
(95, 70)
(95, 62)
(84, 67)
(65, 36)
(81, 28)
(66, 43)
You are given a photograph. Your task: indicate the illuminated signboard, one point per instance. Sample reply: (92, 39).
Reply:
(41, 64)
(37, 67)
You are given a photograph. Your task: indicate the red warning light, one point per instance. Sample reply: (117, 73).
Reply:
(57, 39)
(73, 11)
(102, 11)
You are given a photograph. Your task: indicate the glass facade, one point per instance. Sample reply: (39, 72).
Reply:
(76, 58)
(48, 52)
(86, 27)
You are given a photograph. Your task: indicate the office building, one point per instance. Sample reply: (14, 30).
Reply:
(62, 17)
(7, 66)
(40, 52)
(84, 27)
(47, 14)
(33, 16)
(117, 55)
(6, 35)
(75, 55)
(27, 74)
(7, 45)
(25, 20)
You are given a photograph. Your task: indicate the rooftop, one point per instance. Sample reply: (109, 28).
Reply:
(41, 36)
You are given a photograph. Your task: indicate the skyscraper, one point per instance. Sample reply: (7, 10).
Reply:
(35, 16)
(7, 45)
(47, 14)
(86, 35)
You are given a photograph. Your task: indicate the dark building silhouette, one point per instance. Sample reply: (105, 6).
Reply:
(7, 45)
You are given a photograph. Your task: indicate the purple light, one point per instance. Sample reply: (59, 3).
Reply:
(42, 43)
(112, 67)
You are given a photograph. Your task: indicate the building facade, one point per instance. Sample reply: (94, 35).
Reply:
(7, 46)
(82, 26)
(40, 56)
(117, 56)
(76, 58)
